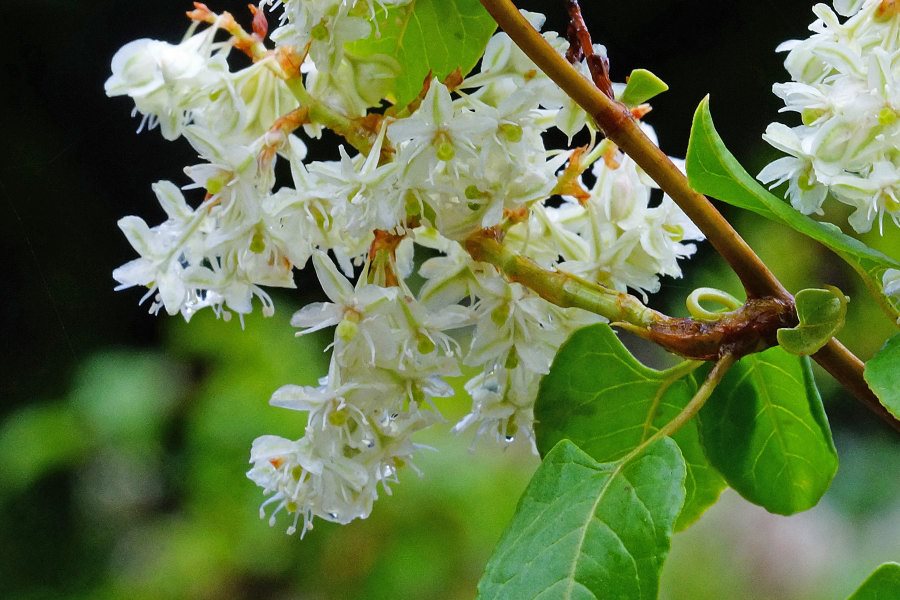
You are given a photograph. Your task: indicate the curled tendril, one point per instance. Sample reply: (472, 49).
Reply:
(724, 299)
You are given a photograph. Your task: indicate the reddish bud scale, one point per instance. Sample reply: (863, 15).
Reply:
(290, 60)
(612, 157)
(639, 112)
(454, 79)
(568, 184)
(201, 13)
(887, 9)
(260, 23)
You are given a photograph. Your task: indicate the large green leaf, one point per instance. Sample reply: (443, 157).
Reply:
(437, 36)
(714, 171)
(585, 529)
(765, 430)
(882, 584)
(883, 375)
(600, 397)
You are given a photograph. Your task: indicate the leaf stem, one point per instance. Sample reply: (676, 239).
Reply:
(691, 409)
(672, 375)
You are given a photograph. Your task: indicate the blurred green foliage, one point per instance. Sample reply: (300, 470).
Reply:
(152, 448)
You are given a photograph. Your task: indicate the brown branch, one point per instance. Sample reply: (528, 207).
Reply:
(844, 366)
(620, 127)
(581, 47)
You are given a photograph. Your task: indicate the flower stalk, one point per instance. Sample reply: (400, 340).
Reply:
(560, 288)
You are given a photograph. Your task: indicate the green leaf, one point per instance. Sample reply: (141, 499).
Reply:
(765, 430)
(821, 314)
(38, 439)
(585, 529)
(610, 415)
(642, 86)
(127, 396)
(714, 171)
(882, 584)
(437, 36)
(882, 373)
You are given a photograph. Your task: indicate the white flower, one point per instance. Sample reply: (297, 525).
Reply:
(320, 401)
(622, 243)
(167, 81)
(514, 325)
(502, 404)
(308, 481)
(362, 334)
(437, 133)
(248, 104)
(506, 71)
(449, 278)
(165, 252)
(280, 467)
(369, 194)
(873, 196)
(846, 91)
(806, 191)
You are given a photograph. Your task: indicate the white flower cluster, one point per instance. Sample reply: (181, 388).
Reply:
(465, 156)
(846, 87)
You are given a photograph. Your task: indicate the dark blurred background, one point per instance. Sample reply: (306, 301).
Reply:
(124, 437)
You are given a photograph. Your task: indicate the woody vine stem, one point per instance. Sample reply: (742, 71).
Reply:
(767, 297)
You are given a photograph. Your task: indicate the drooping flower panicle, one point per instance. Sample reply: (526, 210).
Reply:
(472, 155)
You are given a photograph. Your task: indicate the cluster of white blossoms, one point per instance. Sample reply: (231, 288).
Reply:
(467, 155)
(846, 87)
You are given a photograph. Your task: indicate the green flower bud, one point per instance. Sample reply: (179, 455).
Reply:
(347, 330)
(319, 32)
(676, 232)
(214, 185)
(338, 417)
(887, 116)
(444, 145)
(473, 193)
(511, 132)
(811, 115)
(424, 345)
(445, 151)
(258, 242)
(499, 315)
